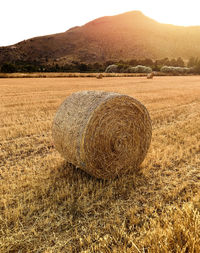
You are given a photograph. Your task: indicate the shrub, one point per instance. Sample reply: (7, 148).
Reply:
(140, 69)
(176, 70)
(112, 69)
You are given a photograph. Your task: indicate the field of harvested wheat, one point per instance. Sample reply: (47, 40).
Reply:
(47, 205)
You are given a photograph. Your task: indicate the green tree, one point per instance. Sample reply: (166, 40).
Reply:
(192, 62)
(107, 63)
(180, 62)
(133, 62)
(83, 67)
(173, 63)
(147, 62)
(8, 68)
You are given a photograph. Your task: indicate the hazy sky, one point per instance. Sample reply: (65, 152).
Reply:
(23, 19)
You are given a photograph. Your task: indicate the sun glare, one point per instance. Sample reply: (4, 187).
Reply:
(182, 17)
(35, 18)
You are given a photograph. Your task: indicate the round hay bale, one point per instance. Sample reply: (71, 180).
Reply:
(104, 133)
(150, 75)
(99, 76)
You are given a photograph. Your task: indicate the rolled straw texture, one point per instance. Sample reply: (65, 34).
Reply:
(104, 133)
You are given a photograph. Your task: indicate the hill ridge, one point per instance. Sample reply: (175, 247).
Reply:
(120, 37)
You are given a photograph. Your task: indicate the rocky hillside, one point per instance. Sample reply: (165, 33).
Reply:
(125, 36)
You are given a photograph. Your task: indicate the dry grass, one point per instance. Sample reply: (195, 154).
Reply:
(63, 74)
(47, 205)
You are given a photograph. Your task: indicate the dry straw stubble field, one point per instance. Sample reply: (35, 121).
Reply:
(47, 205)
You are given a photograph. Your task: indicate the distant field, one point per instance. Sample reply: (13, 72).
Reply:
(53, 75)
(64, 74)
(47, 205)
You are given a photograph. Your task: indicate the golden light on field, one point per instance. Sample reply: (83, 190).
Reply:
(47, 205)
(25, 19)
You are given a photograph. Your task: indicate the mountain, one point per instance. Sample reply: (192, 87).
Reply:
(125, 36)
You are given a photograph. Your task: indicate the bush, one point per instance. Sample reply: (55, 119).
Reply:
(123, 68)
(140, 69)
(112, 68)
(176, 70)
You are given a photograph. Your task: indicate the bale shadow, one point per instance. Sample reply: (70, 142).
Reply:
(83, 186)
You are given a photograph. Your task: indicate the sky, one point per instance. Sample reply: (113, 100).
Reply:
(24, 19)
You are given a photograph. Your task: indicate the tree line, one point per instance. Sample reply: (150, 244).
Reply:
(75, 66)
